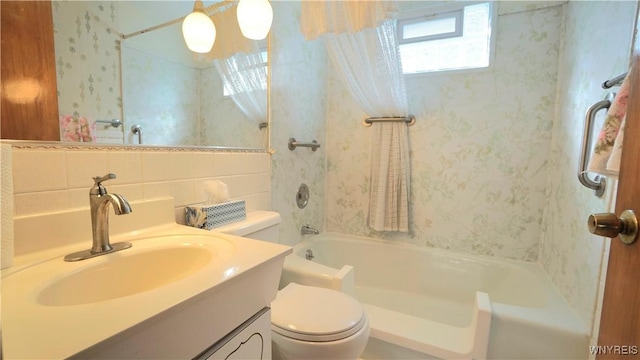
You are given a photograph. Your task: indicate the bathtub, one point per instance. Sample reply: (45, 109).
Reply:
(429, 303)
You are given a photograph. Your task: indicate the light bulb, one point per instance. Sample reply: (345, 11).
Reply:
(199, 32)
(254, 18)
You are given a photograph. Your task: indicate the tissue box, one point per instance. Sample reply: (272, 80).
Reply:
(213, 216)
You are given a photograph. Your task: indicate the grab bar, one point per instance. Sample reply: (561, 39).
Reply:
(410, 120)
(614, 82)
(137, 130)
(599, 183)
(294, 144)
(113, 122)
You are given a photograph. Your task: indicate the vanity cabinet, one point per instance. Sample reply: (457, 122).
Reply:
(249, 341)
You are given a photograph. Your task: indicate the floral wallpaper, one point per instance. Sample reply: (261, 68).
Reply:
(174, 103)
(571, 256)
(222, 122)
(494, 152)
(162, 96)
(479, 147)
(87, 55)
(298, 102)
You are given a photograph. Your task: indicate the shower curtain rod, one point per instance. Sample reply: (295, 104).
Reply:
(614, 82)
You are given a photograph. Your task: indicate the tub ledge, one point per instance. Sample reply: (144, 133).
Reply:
(434, 338)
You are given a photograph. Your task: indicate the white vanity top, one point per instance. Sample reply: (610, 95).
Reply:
(39, 323)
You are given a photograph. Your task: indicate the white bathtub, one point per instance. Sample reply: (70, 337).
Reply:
(431, 303)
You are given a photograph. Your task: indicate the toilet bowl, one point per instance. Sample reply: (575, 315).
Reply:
(315, 323)
(307, 322)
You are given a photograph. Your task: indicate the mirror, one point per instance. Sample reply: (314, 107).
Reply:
(108, 69)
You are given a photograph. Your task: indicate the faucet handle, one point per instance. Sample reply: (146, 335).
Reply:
(97, 188)
(98, 180)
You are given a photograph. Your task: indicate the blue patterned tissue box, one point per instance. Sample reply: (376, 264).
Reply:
(213, 216)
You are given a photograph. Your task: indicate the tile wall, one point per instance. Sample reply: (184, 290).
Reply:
(57, 178)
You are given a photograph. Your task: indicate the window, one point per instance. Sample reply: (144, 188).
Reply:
(228, 90)
(450, 39)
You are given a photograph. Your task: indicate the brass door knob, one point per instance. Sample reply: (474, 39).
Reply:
(609, 225)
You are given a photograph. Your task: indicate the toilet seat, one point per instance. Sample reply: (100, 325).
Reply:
(315, 314)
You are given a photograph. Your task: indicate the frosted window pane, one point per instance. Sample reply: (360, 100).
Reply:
(428, 28)
(471, 50)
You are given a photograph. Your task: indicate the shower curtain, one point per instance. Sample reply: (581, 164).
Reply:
(245, 77)
(361, 42)
(239, 63)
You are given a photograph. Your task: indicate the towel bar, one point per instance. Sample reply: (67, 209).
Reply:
(599, 183)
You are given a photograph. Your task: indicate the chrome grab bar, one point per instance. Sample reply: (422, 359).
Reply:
(614, 82)
(599, 183)
(410, 120)
(113, 122)
(137, 130)
(294, 144)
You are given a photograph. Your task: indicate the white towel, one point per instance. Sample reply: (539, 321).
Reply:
(606, 153)
(6, 207)
(390, 176)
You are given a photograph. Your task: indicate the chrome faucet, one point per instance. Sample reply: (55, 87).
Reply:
(99, 200)
(308, 230)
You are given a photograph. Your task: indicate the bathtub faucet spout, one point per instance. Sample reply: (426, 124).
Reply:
(308, 230)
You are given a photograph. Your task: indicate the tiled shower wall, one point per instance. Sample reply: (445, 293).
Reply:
(57, 178)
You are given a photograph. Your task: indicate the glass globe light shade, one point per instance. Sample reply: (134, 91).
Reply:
(254, 18)
(199, 32)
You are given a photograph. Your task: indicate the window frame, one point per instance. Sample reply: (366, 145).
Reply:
(433, 10)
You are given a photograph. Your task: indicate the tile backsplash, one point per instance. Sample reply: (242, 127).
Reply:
(57, 177)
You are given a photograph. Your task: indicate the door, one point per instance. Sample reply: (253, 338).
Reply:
(620, 323)
(29, 93)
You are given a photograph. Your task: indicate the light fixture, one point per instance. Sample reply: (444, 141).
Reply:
(254, 18)
(198, 30)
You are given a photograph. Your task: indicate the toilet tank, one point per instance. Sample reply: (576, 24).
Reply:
(259, 225)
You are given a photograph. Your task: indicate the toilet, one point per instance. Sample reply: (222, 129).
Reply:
(307, 322)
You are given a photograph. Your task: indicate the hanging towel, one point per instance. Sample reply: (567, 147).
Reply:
(606, 152)
(390, 174)
(77, 129)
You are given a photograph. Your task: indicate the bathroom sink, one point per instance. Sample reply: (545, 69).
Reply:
(174, 292)
(152, 262)
(125, 273)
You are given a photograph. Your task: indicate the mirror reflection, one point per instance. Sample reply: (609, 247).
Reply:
(128, 60)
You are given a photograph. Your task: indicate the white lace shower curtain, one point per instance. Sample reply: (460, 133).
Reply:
(365, 53)
(239, 63)
(245, 77)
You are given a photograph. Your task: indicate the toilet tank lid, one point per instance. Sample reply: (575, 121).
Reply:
(255, 221)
